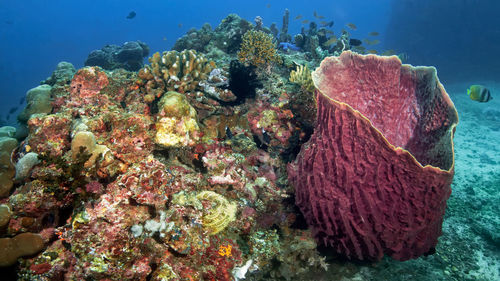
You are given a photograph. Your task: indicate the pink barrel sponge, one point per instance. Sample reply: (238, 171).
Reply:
(375, 175)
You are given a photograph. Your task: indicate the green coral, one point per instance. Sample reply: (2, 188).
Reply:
(258, 49)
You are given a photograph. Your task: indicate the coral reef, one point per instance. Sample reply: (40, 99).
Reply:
(7, 170)
(220, 213)
(258, 49)
(38, 101)
(24, 244)
(129, 56)
(62, 75)
(390, 173)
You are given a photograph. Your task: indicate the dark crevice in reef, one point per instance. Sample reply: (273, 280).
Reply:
(243, 82)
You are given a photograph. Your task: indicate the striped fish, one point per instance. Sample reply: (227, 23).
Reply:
(479, 93)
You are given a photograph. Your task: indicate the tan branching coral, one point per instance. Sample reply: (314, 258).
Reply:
(258, 49)
(174, 71)
(220, 214)
(302, 76)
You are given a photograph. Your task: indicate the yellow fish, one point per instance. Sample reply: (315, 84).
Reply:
(305, 21)
(479, 93)
(352, 26)
(374, 52)
(298, 17)
(330, 41)
(373, 33)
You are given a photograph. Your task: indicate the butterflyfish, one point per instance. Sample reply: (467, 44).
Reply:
(479, 93)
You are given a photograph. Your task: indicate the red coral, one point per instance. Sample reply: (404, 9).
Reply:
(375, 176)
(40, 268)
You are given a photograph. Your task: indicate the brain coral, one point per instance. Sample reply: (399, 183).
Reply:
(375, 175)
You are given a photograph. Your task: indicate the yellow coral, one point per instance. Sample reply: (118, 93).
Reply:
(174, 71)
(220, 214)
(302, 76)
(178, 125)
(258, 49)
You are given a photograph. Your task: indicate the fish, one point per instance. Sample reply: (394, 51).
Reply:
(326, 23)
(388, 53)
(371, 42)
(265, 137)
(164, 38)
(180, 25)
(479, 93)
(21, 100)
(330, 41)
(318, 16)
(354, 42)
(372, 52)
(374, 33)
(305, 21)
(131, 15)
(268, 5)
(229, 134)
(351, 26)
(298, 17)
(13, 109)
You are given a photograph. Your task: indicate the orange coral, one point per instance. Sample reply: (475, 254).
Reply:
(258, 49)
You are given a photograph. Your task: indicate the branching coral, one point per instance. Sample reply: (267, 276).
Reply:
(258, 49)
(174, 71)
(302, 76)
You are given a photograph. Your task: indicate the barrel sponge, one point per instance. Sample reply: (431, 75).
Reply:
(375, 175)
(24, 244)
(220, 214)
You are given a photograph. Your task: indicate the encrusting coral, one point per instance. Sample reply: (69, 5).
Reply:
(258, 49)
(177, 124)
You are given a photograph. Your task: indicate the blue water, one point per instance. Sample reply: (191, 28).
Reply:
(459, 37)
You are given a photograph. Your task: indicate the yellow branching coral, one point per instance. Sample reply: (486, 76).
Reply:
(174, 71)
(221, 213)
(258, 49)
(302, 76)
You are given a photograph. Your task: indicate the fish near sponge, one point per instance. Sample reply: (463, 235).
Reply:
(479, 93)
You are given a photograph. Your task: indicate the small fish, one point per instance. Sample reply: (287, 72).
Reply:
(372, 52)
(305, 21)
(479, 93)
(164, 38)
(229, 134)
(268, 5)
(329, 31)
(374, 33)
(326, 23)
(359, 49)
(180, 25)
(330, 41)
(265, 137)
(315, 14)
(322, 33)
(9, 22)
(21, 101)
(131, 15)
(351, 26)
(354, 42)
(371, 42)
(13, 109)
(388, 53)
(298, 17)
